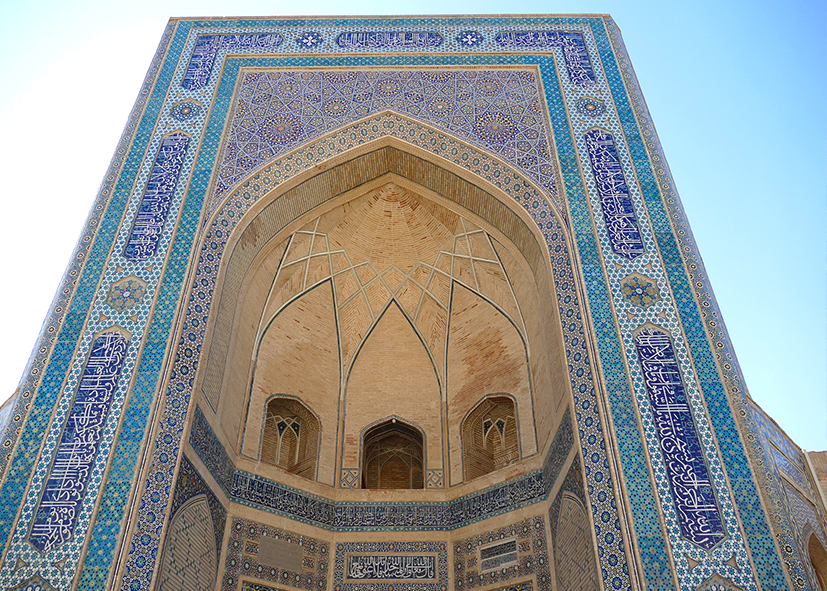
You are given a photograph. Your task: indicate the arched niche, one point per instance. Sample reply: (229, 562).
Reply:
(393, 456)
(490, 436)
(818, 559)
(189, 557)
(285, 228)
(290, 436)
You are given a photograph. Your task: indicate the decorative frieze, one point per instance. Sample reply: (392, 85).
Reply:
(152, 214)
(57, 513)
(692, 493)
(618, 211)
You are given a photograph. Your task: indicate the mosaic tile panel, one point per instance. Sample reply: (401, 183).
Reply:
(56, 515)
(148, 226)
(626, 112)
(275, 111)
(242, 560)
(692, 493)
(530, 535)
(349, 554)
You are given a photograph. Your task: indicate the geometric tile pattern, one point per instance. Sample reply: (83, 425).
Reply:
(639, 290)
(242, 559)
(435, 553)
(687, 311)
(278, 110)
(126, 293)
(532, 551)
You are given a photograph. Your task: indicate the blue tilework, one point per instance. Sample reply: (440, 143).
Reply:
(768, 569)
(56, 514)
(438, 550)
(761, 544)
(532, 548)
(617, 208)
(592, 435)
(268, 495)
(692, 491)
(148, 227)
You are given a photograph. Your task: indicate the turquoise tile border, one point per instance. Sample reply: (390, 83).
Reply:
(637, 479)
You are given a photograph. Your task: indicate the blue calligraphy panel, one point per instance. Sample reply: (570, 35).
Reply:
(391, 567)
(692, 492)
(152, 215)
(381, 39)
(207, 47)
(575, 53)
(57, 514)
(618, 211)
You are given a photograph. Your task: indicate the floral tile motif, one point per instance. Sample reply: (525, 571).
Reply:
(639, 290)
(126, 293)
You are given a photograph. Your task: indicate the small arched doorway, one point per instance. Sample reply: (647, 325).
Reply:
(392, 457)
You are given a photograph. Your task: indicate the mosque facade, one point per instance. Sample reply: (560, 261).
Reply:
(395, 304)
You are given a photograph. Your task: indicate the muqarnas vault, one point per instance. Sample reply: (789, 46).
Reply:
(394, 304)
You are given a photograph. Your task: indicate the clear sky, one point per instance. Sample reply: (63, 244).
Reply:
(737, 91)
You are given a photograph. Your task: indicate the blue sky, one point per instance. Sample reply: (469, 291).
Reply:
(737, 92)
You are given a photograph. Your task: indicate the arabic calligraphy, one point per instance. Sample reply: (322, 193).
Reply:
(207, 48)
(152, 214)
(377, 39)
(693, 496)
(575, 54)
(391, 566)
(57, 513)
(618, 211)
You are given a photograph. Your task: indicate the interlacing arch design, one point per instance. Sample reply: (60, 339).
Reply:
(290, 436)
(490, 439)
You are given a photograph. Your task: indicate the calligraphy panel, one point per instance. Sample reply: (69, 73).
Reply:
(692, 492)
(57, 513)
(575, 54)
(413, 566)
(207, 47)
(390, 567)
(383, 39)
(152, 214)
(618, 211)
